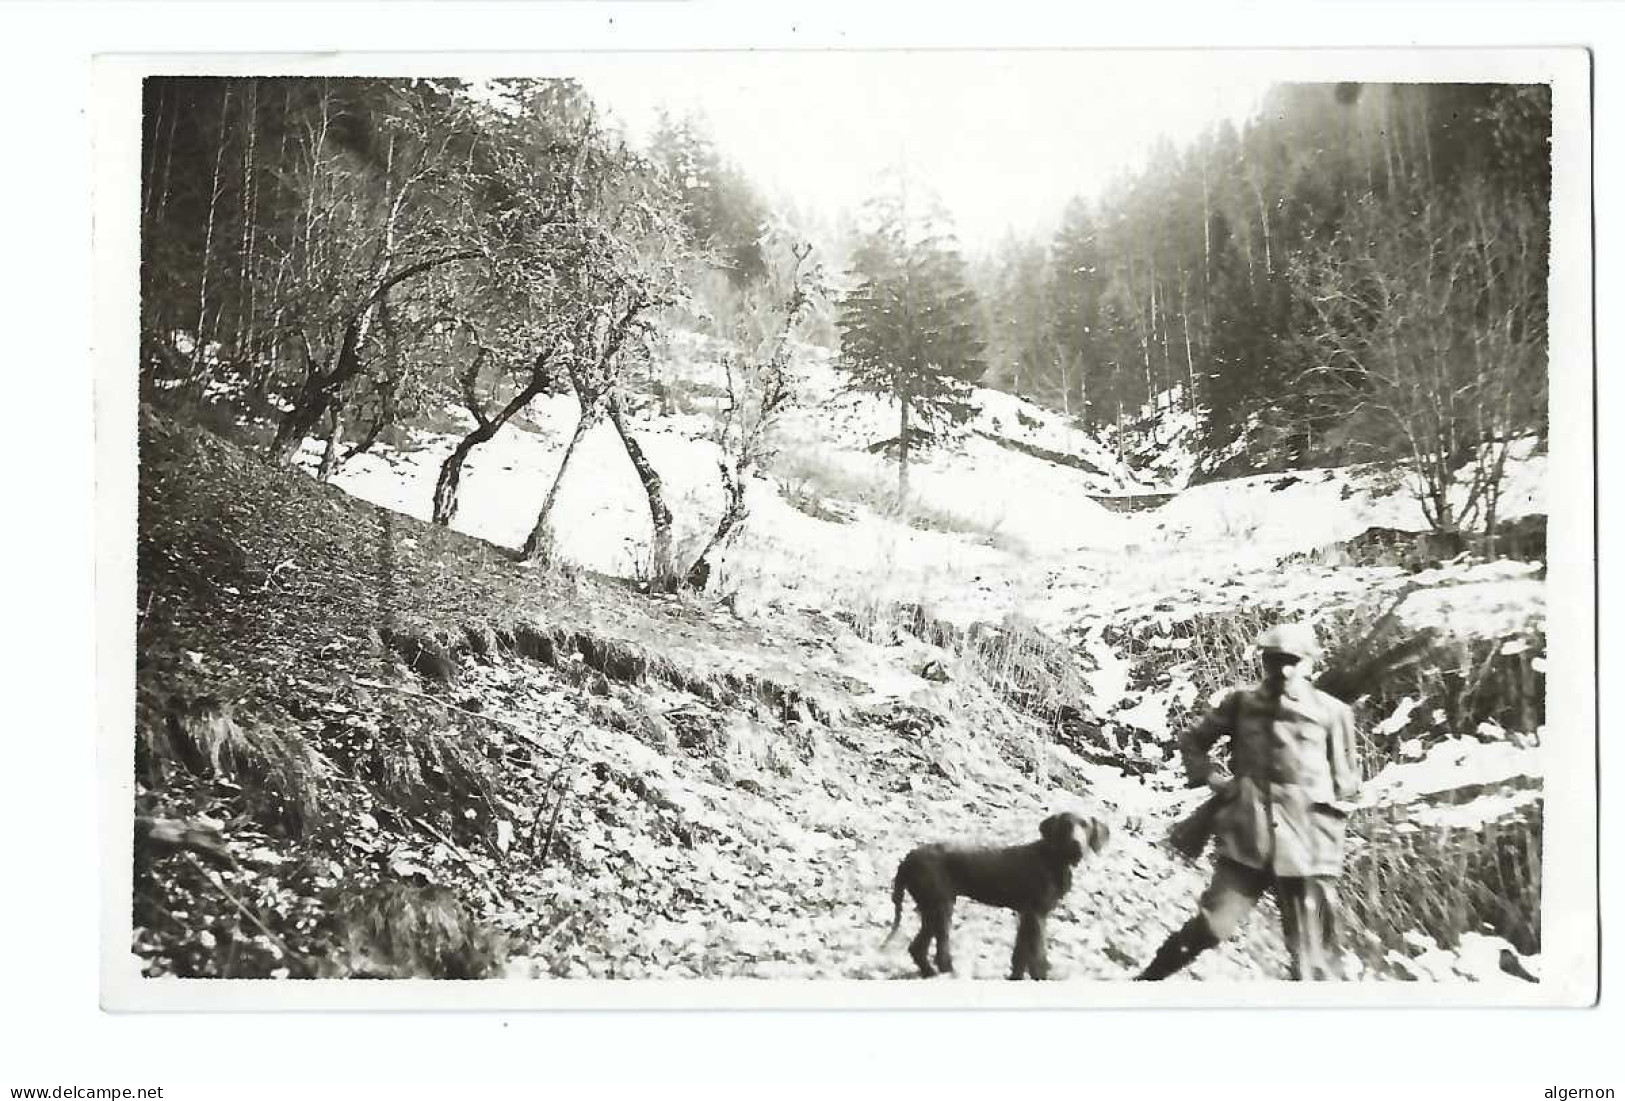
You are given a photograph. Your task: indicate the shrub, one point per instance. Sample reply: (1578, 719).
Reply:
(417, 765)
(1024, 667)
(1468, 680)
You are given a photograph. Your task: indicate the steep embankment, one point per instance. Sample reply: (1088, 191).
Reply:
(423, 758)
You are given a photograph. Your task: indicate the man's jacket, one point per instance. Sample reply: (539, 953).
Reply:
(1293, 763)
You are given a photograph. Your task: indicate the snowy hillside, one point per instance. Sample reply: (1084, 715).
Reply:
(1011, 521)
(1017, 505)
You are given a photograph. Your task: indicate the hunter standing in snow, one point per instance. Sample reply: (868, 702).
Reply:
(1282, 820)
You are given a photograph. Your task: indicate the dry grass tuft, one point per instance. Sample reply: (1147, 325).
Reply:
(401, 931)
(425, 655)
(1446, 882)
(827, 491)
(205, 738)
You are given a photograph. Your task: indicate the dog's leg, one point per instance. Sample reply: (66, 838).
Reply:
(945, 924)
(920, 946)
(1029, 947)
(1038, 958)
(1018, 958)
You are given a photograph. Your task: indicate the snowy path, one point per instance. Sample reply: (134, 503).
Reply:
(819, 906)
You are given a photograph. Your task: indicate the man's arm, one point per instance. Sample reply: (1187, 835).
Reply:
(1340, 749)
(1196, 743)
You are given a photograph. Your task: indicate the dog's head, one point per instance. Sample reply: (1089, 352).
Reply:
(1068, 833)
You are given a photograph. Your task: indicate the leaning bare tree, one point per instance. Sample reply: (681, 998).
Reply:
(593, 360)
(652, 246)
(494, 384)
(375, 219)
(1429, 334)
(602, 264)
(392, 387)
(757, 383)
(510, 328)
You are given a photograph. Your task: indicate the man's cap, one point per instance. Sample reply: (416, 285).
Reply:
(1297, 639)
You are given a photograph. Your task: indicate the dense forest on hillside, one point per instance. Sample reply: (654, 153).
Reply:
(1356, 273)
(1209, 270)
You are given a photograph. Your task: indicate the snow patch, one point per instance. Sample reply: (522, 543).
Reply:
(1150, 714)
(1476, 813)
(1477, 607)
(1455, 763)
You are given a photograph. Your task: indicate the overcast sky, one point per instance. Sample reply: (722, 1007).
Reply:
(1004, 138)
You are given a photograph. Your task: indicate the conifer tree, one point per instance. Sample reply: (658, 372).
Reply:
(908, 325)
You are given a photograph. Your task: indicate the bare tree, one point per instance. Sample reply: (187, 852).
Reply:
(368, 230)
(1430, 339)
(593, 366)
(537, 377)
(598, 260)
(201, 331)
(757, 387)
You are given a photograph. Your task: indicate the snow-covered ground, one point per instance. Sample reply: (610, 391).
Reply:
(1040, 545)
(1032, 543)
(1023, 508)
(1277, 514)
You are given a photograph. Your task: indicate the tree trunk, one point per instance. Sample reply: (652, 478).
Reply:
(1118, 435)
(451, 471)
(1162, 376)
(1145, 353)
(317, 396)
(297, 423)
(902, 452)
(733, 514)
(1190, 360)
(169, 160)
(246, 339)
(1427, 138)
(1264, 224)
(539, 544)
(1207, 234)
(1386, 131)
(263, 368)
(330, 451)
(451, 475)
(198, 336)
(662, 574)
(149, 180)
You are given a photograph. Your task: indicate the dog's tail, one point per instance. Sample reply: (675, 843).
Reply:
(898, 887)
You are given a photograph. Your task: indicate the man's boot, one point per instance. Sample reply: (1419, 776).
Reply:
(1191, 940)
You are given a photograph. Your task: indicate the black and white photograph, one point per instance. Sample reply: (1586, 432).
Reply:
(848, 527)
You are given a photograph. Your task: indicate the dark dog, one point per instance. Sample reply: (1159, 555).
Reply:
(1030, 879)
